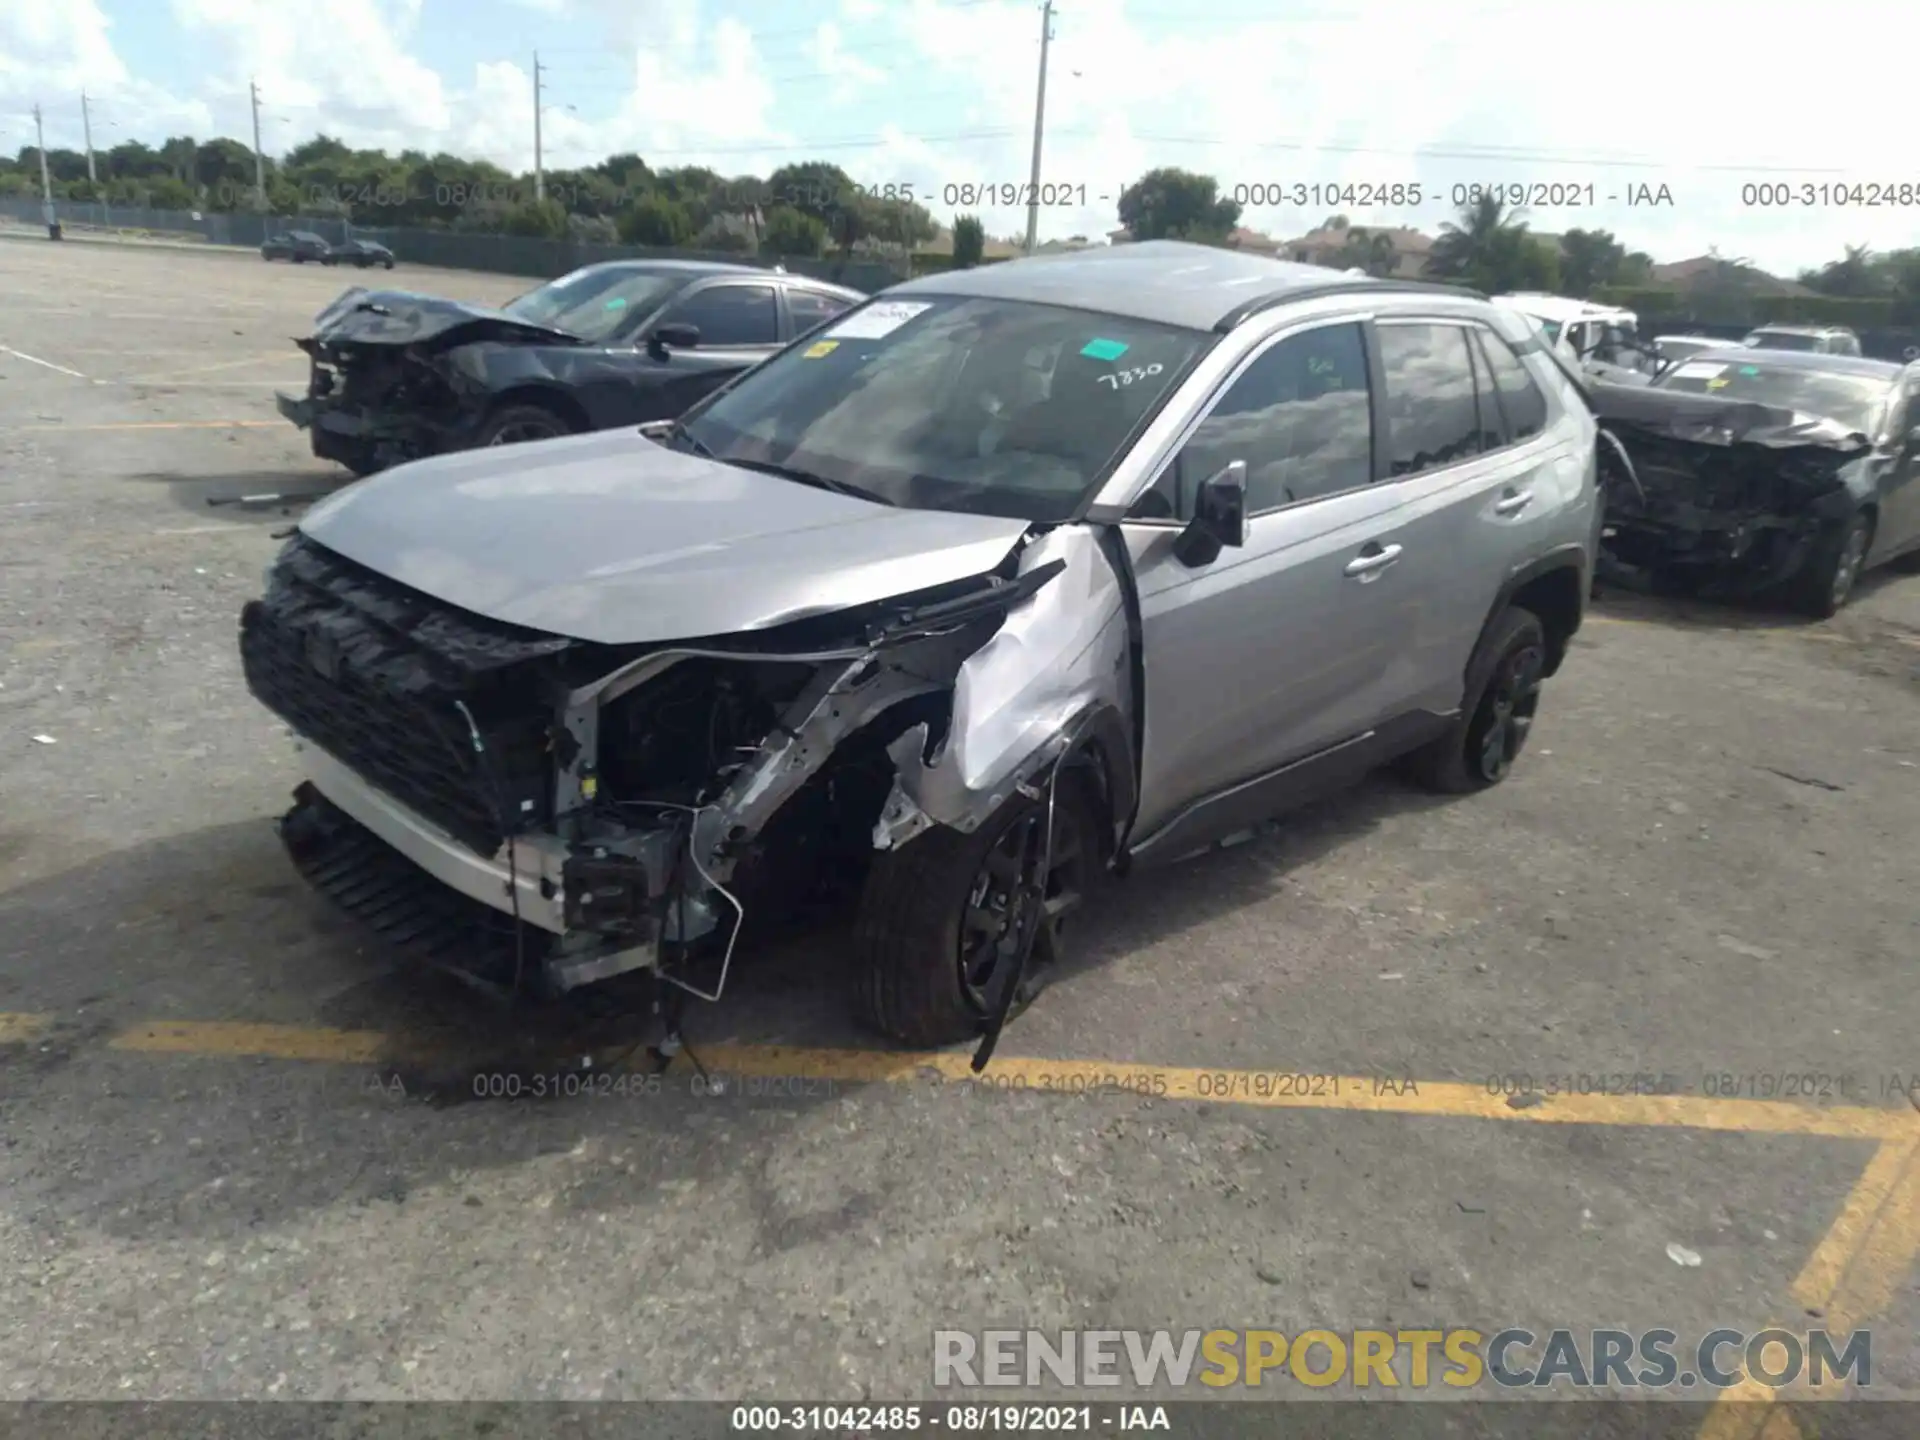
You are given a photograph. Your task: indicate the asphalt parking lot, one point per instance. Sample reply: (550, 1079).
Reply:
(241, 1155)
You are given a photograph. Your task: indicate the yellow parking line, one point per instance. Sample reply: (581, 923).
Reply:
(280, 1042)
(1850, 1277)
(17, 1028)
(1275, 1090)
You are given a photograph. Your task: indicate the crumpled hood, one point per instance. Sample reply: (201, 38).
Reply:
(1714, 420)
(398, 317)
(611, 537)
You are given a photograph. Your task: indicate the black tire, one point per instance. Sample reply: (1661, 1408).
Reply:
(1502, 696)
(515, 424)
(1833, 567)
(911, 974)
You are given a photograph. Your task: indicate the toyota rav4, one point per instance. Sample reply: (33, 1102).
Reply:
(1005, 580)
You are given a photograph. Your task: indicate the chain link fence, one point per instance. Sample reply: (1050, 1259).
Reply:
(526, 255)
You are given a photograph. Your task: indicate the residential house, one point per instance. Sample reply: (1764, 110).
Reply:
(1328, 245)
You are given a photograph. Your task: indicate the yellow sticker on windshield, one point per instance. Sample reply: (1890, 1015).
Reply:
(1719, 382)
(819, 348)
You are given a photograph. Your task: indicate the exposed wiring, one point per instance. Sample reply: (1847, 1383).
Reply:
(510, 829)
(739, 910)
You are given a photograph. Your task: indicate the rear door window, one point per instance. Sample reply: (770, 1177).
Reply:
(1432, 404)
(813, 308)
(730, 315)
(1522, 406)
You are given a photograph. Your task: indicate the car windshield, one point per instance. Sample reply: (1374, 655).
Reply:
(595, 304)
(1782, 340)
(1856, 401)
(1551, 328)
(947, 403)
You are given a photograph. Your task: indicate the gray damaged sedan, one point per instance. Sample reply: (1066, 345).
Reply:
(1004, 581)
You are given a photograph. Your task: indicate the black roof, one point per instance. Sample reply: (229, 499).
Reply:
(1200, 287)
(1803, 360)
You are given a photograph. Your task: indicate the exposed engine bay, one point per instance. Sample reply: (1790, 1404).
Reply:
(578, 810)
(1714, 495)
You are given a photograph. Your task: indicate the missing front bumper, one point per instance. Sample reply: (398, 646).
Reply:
(580, 918)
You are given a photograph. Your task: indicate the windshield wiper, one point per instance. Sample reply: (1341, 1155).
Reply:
(807, 477)
(677, 430)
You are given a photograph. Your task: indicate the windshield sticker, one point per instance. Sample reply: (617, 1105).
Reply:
(1719, 382)
(819, 348)
(618, 302)
(882, 318)
(1697, 370)
(1103, 349)
(1749, 369)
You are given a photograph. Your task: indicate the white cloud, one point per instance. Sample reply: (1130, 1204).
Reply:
(1483, 91)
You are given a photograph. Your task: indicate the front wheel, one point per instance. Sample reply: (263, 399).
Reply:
(518, 424)
(1833, 567)
(943, 913)
(1502, 697)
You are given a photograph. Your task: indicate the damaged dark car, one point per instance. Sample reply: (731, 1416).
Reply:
(1763, 474)
(1006, 580)
(396, 376)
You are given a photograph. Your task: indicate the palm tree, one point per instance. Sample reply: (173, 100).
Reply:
(1857, 273)
(1468, 245)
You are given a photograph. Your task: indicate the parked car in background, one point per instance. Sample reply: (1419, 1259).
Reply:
(363, 253)
(1813, 339)
(299, 246)
(1009, 576)
(397, 376)
(1672, 349)
(1603, 340)
(1761, 472)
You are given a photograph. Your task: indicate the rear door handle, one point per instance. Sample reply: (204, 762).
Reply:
(1513, 504)
(1371, 562)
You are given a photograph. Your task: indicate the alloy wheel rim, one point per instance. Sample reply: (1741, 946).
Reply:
(1507, 712)
(1849, 567)
(995, 911)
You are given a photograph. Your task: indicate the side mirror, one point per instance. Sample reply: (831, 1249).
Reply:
(673, 337)
(1219, 517)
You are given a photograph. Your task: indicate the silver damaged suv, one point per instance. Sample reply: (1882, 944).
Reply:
(1006, 580)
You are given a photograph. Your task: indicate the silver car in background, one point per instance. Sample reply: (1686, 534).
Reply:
(1006, 579)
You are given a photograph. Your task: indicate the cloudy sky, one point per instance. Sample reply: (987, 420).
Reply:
(1705, 98)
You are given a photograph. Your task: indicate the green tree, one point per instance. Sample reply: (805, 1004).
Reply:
(969, 241)
(1370, 251)
(1174, 204)
(1491, 251)
(788, 231)
(658, 221)
(1588, 259)
(1857, 275)
(541, 219)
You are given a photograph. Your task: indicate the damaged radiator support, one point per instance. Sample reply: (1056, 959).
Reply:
(588, 827)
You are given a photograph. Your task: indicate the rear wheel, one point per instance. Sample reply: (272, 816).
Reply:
(1833, 568)
(942, 914)
(518, 424)
(1502, 697)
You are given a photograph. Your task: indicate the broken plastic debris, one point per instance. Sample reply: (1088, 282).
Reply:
(1680, 1255)
(45, 740)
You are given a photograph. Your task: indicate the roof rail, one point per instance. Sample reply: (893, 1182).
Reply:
(1247, 309)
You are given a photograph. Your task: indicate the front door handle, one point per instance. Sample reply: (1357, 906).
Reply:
(1371, 562)
(1513, 504)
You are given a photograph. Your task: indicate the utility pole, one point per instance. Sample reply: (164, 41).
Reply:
(46, 179)
(1039, 123)
(86, 129)
(539, 173)
(259, 163)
